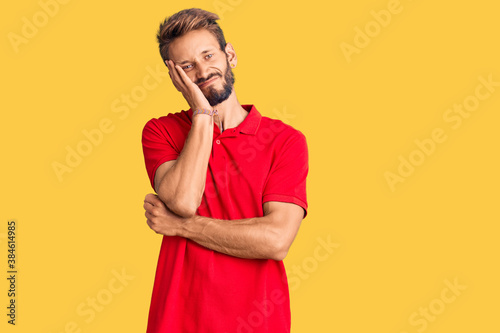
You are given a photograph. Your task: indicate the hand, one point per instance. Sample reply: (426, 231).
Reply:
(160, 219)
(190, 90)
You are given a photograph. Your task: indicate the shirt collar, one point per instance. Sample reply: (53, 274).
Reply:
(251, 123)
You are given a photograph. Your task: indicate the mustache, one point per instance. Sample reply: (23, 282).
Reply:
(200, 81)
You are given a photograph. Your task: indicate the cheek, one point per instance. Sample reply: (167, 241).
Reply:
(221, 67)
(191, 76)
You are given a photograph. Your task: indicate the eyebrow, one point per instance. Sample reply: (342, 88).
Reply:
(188, 61)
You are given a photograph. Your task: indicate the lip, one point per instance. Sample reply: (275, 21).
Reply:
(208, 82)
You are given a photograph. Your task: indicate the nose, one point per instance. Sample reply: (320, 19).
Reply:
(202, 71)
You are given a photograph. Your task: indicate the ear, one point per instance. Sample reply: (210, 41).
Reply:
(231, 55)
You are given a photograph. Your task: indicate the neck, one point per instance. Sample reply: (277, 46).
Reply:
(231, 113)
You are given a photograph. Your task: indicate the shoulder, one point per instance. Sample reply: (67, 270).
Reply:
(282, 133)
(172, 122)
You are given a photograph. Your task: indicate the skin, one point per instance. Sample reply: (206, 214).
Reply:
(180, 183)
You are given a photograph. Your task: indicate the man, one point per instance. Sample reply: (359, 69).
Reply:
(231, 193)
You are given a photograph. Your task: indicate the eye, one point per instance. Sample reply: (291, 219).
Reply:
(187, 67)
(208, 56)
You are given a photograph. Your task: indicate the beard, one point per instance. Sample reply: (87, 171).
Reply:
(217, 96)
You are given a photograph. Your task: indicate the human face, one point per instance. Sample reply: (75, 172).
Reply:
(199, 55)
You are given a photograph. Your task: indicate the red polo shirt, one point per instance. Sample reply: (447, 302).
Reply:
(199, 290)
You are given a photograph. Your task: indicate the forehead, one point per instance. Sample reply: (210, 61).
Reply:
(192, 44)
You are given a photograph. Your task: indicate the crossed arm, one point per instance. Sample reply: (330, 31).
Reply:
(267, 237)
(180, 185)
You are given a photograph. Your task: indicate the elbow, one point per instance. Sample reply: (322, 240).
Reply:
(180, 204)
(279, 255)
(280, 249)
(183, 208)
(186, 211)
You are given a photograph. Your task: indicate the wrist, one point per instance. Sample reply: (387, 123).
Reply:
(187, 226)
(203, 115)
(204, 111)
(202, 120)
(208, 111)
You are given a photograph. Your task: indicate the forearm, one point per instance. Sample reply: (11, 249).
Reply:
(254, 238)
(266, 237)
(182, 186)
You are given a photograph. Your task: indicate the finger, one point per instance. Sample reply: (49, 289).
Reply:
(176, 79)
(149, 215)
(150, 195)
(147, 206)
(150, 224)
(151, 209)
(185, 79)
(171, 71)
(151, 198)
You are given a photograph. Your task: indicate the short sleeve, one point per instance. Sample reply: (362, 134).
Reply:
(287, 178)
(157, 146)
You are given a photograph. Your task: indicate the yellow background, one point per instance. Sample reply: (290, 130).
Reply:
(395, 248)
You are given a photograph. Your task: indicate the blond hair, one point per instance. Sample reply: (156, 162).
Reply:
(185, 21)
